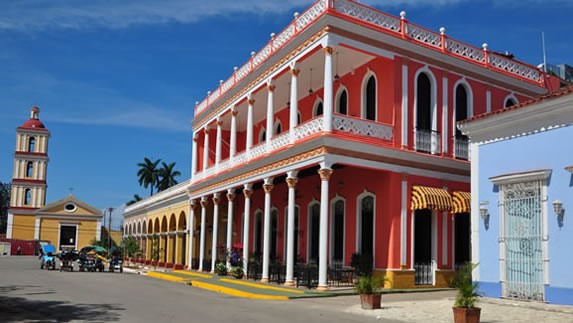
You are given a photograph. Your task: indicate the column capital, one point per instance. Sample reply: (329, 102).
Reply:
(219, 122)
(268, 187)
(294, 72)
(206, 130)
(231, 194)
(195, 138)
(247, 192)
(291, 182)
(325, 174)
(234, 112)
(271, 87)
(216, 198)
(251, 101)
(204, 202)
(328, 50)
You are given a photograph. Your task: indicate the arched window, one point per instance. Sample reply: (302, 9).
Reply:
(337, 233)
(342, 106)
(424, 114)
(258, 245)
(366, 227)
(461, 106)
(27, 196)
(262, 135)
(318, 109)
(274, 233)
(32, 144)
(278, 127)
(370, 99)
(298, 118)
(314, 231)
(510, 101)
(29, 169)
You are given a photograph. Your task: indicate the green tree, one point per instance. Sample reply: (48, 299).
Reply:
(4, 205)
(148, 174)
(130, 246)
(167, 176)
(136, 198)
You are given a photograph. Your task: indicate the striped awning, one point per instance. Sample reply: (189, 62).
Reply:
(424, 197)
(461, 202)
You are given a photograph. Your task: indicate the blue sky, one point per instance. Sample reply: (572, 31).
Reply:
(116, 81)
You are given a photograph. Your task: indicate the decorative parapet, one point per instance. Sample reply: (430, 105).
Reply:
(363, 127)
(396, 26)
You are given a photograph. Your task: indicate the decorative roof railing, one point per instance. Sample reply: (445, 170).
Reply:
(397, 26)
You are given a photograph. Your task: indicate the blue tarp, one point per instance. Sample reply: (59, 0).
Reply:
(49, 248)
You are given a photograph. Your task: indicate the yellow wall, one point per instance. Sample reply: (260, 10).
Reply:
(49, 230)
(23, 226)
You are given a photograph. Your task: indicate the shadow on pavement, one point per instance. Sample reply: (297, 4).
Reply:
(20, 309)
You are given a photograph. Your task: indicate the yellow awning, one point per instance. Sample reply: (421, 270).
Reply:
(424, 197)
(461, 202)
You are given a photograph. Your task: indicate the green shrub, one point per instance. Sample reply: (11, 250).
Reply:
(221, 269)
(467, 289)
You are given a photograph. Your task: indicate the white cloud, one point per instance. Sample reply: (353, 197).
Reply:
(141, 117)
(69, 14)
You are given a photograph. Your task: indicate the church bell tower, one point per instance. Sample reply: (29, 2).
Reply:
(30, 165)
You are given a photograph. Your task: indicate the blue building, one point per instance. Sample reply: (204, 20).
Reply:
(522, 187)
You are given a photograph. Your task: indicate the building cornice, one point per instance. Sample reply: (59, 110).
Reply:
(530, 119)
(166, 195)
(534, 175)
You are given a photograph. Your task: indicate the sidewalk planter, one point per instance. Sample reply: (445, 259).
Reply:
(371, 301)
(466, 314)
(464, 308)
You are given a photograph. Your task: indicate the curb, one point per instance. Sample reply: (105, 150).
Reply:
(234, 292)
(167, 277)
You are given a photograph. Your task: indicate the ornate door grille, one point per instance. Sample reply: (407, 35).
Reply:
(521, 241)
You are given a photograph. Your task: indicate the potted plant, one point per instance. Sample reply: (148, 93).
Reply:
(221, 269)
(464, 308)
(369, 288)
(237, 272)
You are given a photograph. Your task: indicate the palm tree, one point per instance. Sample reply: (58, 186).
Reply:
(148, 173)
(167, 176)
(136, 198)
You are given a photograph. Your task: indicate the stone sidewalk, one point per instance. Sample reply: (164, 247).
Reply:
(439, 309)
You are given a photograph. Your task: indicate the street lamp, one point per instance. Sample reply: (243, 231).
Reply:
(110, 210)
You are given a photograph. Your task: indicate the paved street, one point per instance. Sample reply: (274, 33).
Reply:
(28, 294)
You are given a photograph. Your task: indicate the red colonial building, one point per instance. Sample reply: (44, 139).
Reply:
(338, 138)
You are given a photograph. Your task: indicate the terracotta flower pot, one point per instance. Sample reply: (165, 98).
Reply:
(371, 301)
(466, 314)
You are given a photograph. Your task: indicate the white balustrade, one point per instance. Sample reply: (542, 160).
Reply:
(311, 14)
(370, 15)
(363, 127)
(424, 36)
(464, 50)
(243, 71)
(262, 55)
(280, 141)
(283, 37)
(308, 128)
(514, 67)
(258, 150)
(228, 84)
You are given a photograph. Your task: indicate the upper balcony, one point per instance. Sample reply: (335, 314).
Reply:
(398, 28)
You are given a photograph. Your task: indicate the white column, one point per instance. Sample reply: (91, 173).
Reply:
(487, 101)
(291, 182)
(206, 149)
(445, 238)
(194, 156)
(219, 142)
(230, 198)
(18, 142)
(405, 129)
(204, 203)
(270, 113)
(445, 115)
(475, 217)
(328, 91)
(233, 148)
(191, 228)
(9, 226)
(37, 229)
(324, 173)
(215, 234)
(250, 124)
(247, 191)
(98, 230)
(293, 102)
(268, 187)
(404, 224)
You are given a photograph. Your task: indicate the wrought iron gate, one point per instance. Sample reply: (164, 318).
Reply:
(522, 234)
